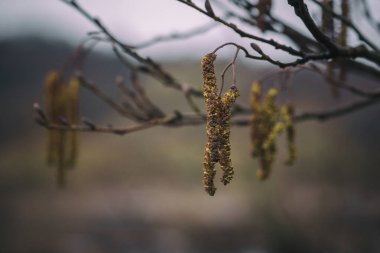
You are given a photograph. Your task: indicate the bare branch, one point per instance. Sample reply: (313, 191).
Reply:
(301, 10)
(152, 68)
(244, 34)
(327, 115)
(192, 119)
(232, 63)
(178, 36)
(349, 23)
(109, 129)
(126, 111)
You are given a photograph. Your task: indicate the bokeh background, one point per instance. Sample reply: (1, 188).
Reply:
(143, 192)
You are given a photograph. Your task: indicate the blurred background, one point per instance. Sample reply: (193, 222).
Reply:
(143, 192)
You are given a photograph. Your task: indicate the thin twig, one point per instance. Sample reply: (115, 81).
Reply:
(127, 112)
(177, 36)
(242, 33)
(301, 10)
(349, 23)
(110, 129)
(232, 63)
(340, 84)
(151, 67)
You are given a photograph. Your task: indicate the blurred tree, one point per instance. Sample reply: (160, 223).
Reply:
(332, 46)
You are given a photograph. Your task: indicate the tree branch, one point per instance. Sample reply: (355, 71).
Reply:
(178, 36)
(244, 34)
(349, 23)
(152, 68)
(301, 10)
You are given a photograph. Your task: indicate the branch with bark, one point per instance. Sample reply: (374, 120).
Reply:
(319, 50)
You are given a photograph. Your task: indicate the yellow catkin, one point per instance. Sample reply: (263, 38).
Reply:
(268, 123)
(213, 106)
(55, 99)
(287, 113)
(269, 118)
(276, 131)
(264, 129)
(73, 118)
(53, 103)
(256, 118)
(255, 94)
(50, 85)
(225, 147)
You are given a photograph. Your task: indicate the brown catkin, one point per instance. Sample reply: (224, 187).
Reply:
(225, 146)
(218, 147)
(264, 7)
(345, 12)
(328, 20)
(343, 34)
(328, 27)
(213, 105)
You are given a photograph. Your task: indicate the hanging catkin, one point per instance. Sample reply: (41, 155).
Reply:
(73, 118)
(263, 7)
(55, 99)
(287, 114)
(62, 106)
(225, 146)
(327, 19)
(268, 123)
(345, 12)
(256, 118)
(343, 35)
(55, 95)
(213, 105)
(218, 147)
(269, 117)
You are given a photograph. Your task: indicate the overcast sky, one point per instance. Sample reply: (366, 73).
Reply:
(132, 21)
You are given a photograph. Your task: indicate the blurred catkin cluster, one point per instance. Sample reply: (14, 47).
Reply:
(268, 123)
(338, 34)
(62, 107)
(218, 147)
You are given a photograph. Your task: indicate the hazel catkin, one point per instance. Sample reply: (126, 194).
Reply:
(287, 113)
(213, 105)
(225, 146)
(268, 123)
(62, 106)
(218, 147)
(73, 118)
